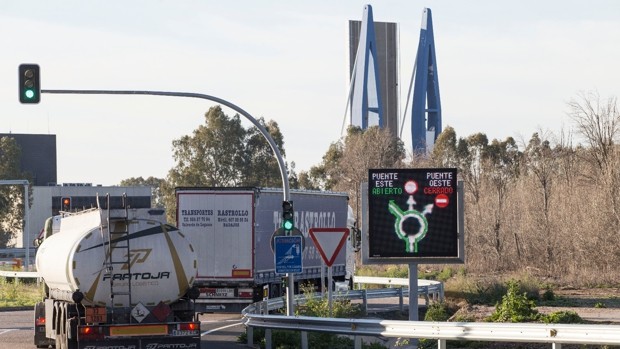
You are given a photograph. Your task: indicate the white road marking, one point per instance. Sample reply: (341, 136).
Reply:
(220, 328)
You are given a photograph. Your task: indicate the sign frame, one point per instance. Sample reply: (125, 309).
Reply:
(458, 258)
(283, 244)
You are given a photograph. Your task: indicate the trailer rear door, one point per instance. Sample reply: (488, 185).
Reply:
(219, 224)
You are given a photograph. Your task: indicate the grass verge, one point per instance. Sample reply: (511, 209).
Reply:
(15, 292)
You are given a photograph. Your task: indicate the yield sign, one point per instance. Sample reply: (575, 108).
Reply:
(329, 241)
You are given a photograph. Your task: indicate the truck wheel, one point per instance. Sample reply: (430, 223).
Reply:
(71, 329)
(39, 338)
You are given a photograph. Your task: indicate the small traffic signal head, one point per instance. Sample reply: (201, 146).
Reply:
(65, 204)
(288, 219)
(29, 83)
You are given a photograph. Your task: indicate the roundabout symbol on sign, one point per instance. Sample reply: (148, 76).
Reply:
(411, 238)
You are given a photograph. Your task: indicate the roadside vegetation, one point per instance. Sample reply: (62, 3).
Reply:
(514, 297)
(517, 304)
(18, 293)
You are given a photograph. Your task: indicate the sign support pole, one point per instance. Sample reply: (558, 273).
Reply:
(322, 277)
(413, 297)
(329, 290)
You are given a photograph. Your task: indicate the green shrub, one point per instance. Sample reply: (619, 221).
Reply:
(515, 306)
(548, 295)
(599, 305)
(488, 291)
(437, 311)
(445, 274)
(319, 306)
(397, 271)
(562, 317)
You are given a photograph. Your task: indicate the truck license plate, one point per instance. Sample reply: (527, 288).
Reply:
(220, 292)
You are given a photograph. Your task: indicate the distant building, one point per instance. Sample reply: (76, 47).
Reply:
(47, 201)
(38, 156)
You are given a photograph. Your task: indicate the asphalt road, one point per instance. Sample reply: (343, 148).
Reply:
(219, 331)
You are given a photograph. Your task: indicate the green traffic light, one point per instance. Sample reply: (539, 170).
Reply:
(287, 225)
(29, 83)
(288, 222)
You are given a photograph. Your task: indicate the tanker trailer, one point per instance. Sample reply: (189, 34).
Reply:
(119, 278)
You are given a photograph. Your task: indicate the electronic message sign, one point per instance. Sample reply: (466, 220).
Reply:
(413, 216)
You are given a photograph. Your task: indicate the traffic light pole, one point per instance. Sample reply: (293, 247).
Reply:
(290, 309)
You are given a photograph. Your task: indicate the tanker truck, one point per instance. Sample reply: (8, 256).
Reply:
(116, 278)
(232, 230)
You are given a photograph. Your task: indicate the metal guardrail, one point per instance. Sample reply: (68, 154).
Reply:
(389, 281)
(555, 334)
(265, 307)
(272, 304)
(257, 315)
(427, 288)
(19, 274)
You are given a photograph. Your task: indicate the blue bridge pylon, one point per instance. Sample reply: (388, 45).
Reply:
(426, 108)
(365, 93)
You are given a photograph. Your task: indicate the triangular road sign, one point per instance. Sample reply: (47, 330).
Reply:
(329, 242)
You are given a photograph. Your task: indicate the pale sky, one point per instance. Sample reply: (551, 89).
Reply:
(505, 69)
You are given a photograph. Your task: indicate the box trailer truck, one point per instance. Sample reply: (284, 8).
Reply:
(232, 229)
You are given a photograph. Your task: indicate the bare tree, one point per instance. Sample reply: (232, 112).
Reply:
(598, 121)
(501, 164)
(567, 159)
(540, 162)
(363, 150)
